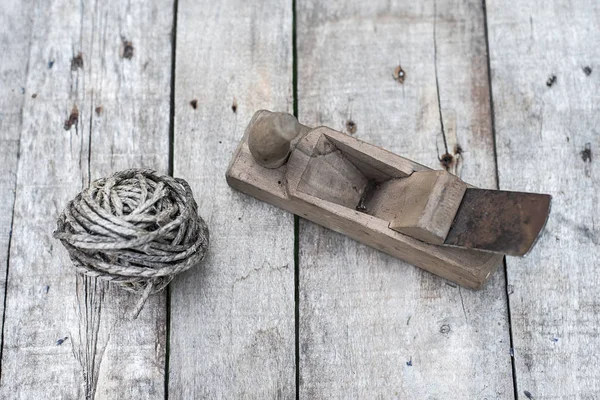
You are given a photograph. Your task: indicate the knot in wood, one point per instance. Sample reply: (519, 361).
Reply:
(136, 228)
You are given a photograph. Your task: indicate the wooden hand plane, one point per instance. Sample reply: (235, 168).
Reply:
(429, 218)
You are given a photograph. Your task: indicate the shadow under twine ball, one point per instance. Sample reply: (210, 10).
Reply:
(135, 228)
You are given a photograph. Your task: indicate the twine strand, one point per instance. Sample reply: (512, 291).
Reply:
(142, 300)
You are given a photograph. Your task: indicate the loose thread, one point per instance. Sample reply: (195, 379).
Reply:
(142, 300)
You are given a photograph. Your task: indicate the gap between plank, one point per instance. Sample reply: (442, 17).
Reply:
(296, 218)
(493, 121)
(171, 163)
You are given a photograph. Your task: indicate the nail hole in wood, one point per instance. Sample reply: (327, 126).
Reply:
(399, 74)
(351, 127)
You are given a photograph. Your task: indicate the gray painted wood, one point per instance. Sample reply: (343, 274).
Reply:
(15, 32)
(370, 325)
(363, 315)
(548, 139)
(66, 337)
(232, 317)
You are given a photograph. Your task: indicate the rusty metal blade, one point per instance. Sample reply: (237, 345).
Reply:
(499, 221)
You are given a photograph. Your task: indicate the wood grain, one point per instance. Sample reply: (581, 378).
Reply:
(66, 337)
(425, 208)
(15, 32)
(547, 139)
(372, 326)
(232, 317)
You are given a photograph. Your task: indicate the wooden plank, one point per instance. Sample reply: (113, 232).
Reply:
(547, 138)
(15, 32)
(68, 337)
(232, 317)
(372, 326)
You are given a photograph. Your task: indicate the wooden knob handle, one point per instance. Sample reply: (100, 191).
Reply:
(271, 137)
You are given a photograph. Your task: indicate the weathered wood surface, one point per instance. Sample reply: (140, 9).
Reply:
(66, 337)
(15, 31)
(232, 318)
(548, 139)
(370, 325)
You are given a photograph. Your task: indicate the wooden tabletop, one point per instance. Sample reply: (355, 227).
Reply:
(504, 94)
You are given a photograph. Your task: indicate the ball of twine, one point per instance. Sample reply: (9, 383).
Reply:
(136, 228)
